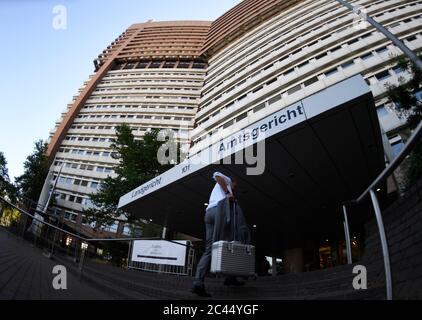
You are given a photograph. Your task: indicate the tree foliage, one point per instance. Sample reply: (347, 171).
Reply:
(403, 95)
(137, 164)
(31, 182)
(7, 189)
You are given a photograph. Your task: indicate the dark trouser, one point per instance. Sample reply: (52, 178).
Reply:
(205, 261)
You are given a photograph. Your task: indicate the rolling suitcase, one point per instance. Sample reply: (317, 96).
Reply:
(233, 258)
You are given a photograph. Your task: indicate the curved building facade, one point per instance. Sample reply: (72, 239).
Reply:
(206, 80)
(299, 51)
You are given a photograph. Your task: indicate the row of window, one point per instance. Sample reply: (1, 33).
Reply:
(84, 167)
(142, 74)
(91, 139)
(136, 107)
(73, 198)
(395, 9)
(134, 128)
(132, 116)
(145, 97)
(147, 89)
(156, 64)
(383, 109)
(80, 182)
(81, 152)
(148, 81)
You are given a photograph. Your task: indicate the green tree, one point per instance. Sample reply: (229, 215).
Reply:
(403, 95)
(7, 189)
(138, 164)
(4, 175)
(31, 182)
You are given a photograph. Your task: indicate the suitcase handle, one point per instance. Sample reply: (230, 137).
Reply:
(230, 248)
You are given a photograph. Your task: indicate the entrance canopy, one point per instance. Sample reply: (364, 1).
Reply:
(319, 152)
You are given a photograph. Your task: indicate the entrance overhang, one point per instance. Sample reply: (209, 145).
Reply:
(319, 152)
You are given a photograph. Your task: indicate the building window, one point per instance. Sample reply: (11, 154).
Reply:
(155, 64)
(347, 64)
(330, 72)
(366, 56)
(381, 50)
(397, 147)
(199, 65)
(418, 95)
(183, 65)
(294, 89)
(310, 81)
(94, 185)
(382, 111)
(227, 124)
(259, 107)
(274, 99)
(382, 75)
(142, 65)
(242, 116)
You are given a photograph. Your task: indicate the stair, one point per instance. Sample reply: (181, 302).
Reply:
(329, 284)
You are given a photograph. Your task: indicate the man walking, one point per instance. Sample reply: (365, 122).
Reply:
(223, 189)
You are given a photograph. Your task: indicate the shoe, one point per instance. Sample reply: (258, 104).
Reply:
(200, 291)
(233, 282)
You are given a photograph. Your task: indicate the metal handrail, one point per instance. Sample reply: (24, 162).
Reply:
(370, 191)
(81, 237)
(407, 149)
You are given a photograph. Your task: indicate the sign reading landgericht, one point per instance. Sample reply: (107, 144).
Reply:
(256, 132)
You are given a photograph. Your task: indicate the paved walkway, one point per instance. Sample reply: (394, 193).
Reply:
(26, 274)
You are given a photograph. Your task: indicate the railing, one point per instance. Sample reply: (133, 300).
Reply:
(371, 192)
(49, 232)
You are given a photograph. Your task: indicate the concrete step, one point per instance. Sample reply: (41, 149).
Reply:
(119, 293)
(335, 283)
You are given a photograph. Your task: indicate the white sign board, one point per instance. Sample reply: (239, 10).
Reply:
(159, 252)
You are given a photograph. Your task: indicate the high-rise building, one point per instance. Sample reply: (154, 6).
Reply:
(206, 79)
(150, 77)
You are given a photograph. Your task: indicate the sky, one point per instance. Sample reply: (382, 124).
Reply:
(42, 66)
